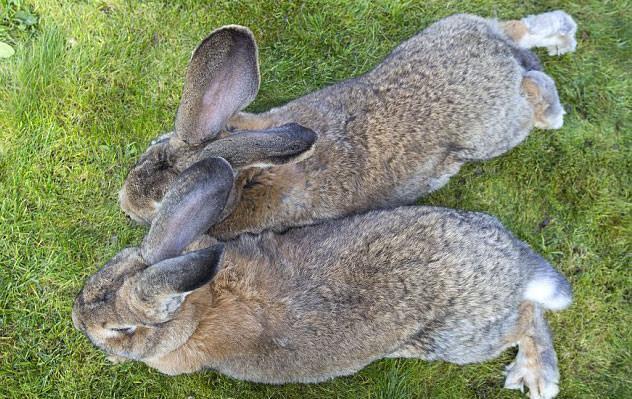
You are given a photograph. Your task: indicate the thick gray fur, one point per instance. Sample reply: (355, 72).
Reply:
(449, 95)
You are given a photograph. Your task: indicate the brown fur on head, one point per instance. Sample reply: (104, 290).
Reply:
(147, 183)
(131, 307)
(136, 311)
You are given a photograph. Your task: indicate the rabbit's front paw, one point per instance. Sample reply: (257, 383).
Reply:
(115, 359)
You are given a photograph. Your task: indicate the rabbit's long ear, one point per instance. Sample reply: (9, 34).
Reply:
(164, 285)
(191, 206)
(263, 148)
(222, 78)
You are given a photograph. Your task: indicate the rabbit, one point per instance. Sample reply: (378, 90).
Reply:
(323, 300)
(464, 89)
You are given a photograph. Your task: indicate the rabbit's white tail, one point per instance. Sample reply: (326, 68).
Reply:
(549, 289)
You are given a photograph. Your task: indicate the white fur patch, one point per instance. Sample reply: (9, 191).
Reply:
(545, 292)
(435, 184)
(557, 122)
(161, 138)
(122, 196)
(261, 165)
(107, 334)
(552, 122)
(550, 391)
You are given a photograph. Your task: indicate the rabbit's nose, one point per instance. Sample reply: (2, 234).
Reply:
(123, 200)
(128, 208)
(75, 321)
(135, 218)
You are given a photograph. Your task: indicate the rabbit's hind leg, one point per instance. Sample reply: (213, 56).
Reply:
(535, 365)
(542, 94)
(554, 30)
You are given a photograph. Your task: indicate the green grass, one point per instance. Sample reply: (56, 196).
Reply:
(92, 82)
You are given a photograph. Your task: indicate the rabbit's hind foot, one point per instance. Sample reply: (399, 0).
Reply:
(541, 92)
(535, 365)
(554, 30)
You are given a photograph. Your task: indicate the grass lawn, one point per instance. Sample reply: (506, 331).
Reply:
(92, 82)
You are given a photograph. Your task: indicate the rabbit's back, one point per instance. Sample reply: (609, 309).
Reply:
(448, 95)
(360, 288)
(453, 82)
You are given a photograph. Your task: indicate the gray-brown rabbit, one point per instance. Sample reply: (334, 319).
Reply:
(464, 89)
(325, 300)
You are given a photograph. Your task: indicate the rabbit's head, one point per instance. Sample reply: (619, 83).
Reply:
(148, 181)
(134, 307)
(222, 78)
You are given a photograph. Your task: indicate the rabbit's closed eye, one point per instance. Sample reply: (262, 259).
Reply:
(124, 330)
